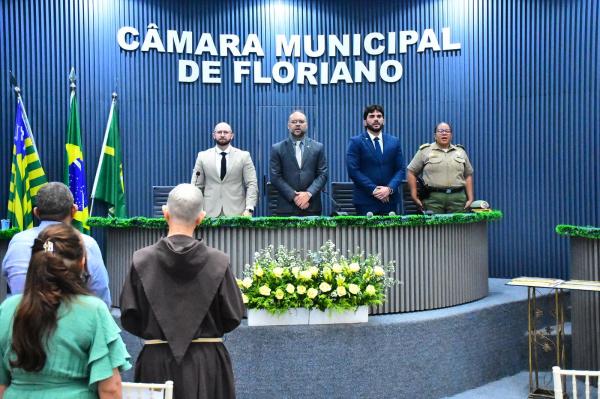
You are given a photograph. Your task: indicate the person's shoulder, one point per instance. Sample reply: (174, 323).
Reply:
(424, 146)
(145, 251)
(25, 235)
(11, 302)
(89, 301)
(314, 143)
(278, 146)
(214, 254)
(239, 151)
(90, 243)
(204, 153)
(355, 140)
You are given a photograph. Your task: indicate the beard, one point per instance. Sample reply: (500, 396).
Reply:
(222, 141)
(298, 134)
(375, 129)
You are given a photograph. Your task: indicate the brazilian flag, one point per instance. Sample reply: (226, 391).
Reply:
(27, 174)
(75, 167)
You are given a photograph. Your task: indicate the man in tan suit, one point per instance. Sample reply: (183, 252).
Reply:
(226, 176)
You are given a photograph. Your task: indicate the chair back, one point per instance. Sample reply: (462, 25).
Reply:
(409, 206)
(341, 192)
(133, 390)
(560, 390)
(159, 198)
(272, 194)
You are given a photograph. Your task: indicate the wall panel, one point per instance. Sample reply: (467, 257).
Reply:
(522, 95)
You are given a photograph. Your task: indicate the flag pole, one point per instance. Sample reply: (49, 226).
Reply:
(104, 141)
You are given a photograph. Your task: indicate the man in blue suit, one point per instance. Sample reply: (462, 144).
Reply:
(298, 170)
(375, 165)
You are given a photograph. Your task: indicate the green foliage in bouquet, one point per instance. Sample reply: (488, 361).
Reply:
(282, 279)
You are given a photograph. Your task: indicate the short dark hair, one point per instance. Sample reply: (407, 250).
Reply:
(372, 108)
(54, 201)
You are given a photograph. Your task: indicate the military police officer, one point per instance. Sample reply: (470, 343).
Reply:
(446, 172)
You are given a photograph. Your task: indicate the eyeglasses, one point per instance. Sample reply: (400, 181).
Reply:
(444, 131)
(297, 122)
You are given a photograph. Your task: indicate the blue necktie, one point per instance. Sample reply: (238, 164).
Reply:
(378, 148)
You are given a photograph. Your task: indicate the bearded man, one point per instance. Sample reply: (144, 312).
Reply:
(226, 176)
(376, 166)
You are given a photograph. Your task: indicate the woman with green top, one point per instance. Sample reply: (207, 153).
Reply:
(56, 339)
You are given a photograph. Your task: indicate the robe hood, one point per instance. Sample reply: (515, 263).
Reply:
(180, 277)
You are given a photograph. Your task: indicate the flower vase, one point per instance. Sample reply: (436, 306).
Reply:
(331, 316)
(260, 317)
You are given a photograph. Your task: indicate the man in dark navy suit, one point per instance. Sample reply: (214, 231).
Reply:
(375, 165)
(298, 170)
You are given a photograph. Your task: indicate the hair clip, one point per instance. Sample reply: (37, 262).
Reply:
(48, 246)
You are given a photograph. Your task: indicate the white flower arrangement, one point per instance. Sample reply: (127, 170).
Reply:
(282, 279)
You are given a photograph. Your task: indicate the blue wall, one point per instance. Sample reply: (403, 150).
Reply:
(522, 95)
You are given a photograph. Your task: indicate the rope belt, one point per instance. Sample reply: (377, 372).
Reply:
(195, 340)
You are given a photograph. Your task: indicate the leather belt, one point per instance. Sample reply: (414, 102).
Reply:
(446, 190)
(195, 340)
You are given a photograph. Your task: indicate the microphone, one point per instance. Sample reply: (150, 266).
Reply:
(427, 213)
(369, 214)
(197, 176)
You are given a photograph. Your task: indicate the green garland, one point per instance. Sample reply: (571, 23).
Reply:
(9, 233)
(579, 231)
(306, 222)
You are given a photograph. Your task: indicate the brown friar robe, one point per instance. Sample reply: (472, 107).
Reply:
(180, 289)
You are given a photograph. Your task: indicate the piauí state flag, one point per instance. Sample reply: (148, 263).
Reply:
(27, 174)
(75, 168)
(109, 185)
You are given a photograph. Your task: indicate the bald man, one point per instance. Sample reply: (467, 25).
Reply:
(298, 170)
(226, 176)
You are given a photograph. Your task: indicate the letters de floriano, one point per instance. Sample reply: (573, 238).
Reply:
(303, 60)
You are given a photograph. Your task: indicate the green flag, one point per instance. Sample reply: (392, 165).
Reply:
(75, 167)
(27, 174)
(109, 185)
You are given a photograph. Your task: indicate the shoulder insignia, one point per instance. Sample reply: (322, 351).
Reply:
(460, 146)
(424, 146)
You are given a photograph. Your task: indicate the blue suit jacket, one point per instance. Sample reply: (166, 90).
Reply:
(368, 171)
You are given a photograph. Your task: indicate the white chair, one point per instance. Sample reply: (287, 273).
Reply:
(132, 390)
(557, 374)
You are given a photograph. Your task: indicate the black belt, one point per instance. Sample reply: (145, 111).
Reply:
(446, 190)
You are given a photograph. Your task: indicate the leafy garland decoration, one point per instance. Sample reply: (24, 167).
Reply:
(306, 222)
(9, 233)
(590, 232)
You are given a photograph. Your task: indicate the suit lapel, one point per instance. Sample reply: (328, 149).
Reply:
(291, 150)
(366, 140)
(387, 147)
(232, 161)
(307, 147)
(210, 162)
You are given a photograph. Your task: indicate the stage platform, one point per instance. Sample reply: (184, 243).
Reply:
(428, 354)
